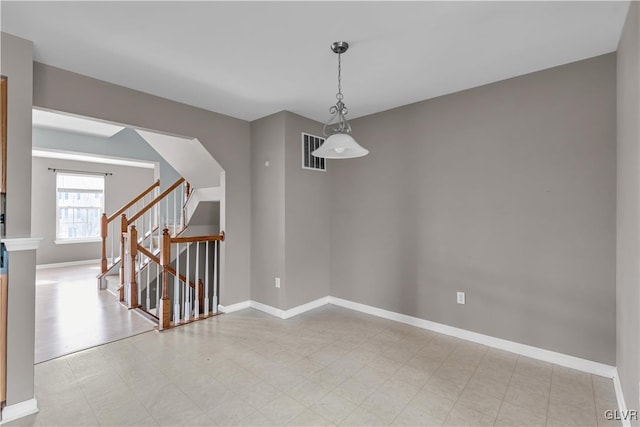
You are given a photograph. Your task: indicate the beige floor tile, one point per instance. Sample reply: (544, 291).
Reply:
(432, 404)
(353, 390)
(462, 415)
(424, 363)
(572, 395)
(363, 417)
(563, 415)
(334, 408)
(326, 367)
(385, 404)
(282, 410)
(307, 392)
(310, 418)
(512, 415)
(412, 415)
(443, 387)
(371, 377)
(28, 421)
(487, 385)
(127, 413)
(252, 417)
(521, 393)
(230, 411)
(533, 369)
(484, 403)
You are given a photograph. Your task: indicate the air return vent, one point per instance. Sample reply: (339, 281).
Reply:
(309, 144)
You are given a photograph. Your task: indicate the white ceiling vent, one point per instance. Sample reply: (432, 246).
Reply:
(309, 144)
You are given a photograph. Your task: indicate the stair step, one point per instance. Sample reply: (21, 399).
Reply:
(113, 283)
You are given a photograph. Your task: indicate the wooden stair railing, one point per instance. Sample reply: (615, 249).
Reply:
(106, 220)
(191, 299)
(192, 285)
(148, 219)
(165, 304)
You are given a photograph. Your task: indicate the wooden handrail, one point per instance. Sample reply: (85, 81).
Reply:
(155, 201)
(194, 239)
(133, 201)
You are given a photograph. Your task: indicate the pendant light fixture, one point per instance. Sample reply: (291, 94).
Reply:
(339, 144)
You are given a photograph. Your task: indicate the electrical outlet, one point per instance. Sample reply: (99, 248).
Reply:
(461, 298)
(278, 282)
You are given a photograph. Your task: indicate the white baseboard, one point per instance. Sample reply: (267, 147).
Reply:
(279, 313)
(513, 347)
(305, 307)
(267, 309)
(19, 410)
(69, 264)
(234, 307)
(622, 404)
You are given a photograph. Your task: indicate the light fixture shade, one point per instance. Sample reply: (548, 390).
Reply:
(340, 146)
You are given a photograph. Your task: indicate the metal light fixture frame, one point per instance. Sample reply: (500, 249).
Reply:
(339, 144)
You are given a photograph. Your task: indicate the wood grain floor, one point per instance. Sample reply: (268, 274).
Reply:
(73, 315)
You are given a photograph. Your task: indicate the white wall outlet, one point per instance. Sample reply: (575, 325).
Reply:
(278, 282)
(461, 298)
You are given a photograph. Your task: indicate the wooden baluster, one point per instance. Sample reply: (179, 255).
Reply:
(164, 312)
(206, 278)
(157, 302)
(199, 297)
(176, 289)
(125, 274)
(133, 251)
(124, 225)
(104, 231)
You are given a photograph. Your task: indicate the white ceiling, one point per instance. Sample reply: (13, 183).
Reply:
(251, 59)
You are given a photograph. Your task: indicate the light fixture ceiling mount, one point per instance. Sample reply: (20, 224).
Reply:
(339, 144)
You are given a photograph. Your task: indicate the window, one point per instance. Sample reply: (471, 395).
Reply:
(79, 205)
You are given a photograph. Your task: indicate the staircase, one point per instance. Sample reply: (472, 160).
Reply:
(151, 267)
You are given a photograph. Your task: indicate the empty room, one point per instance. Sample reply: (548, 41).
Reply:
(342, 213)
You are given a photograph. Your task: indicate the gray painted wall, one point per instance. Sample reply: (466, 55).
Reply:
(290, 215)
(628, 248)
(226, 138)
(125, 144)
(505, 192)
(268, 209)
(307, 219)
(16, 63)
(125, 183)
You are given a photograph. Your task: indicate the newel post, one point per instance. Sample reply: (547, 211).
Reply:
(133, 252)
(164, 313)
(103, 234)
(124, 224)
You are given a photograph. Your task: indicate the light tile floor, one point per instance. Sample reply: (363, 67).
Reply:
(72, 315)
(330, 366)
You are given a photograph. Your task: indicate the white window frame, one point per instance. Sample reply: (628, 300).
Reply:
(70, 240)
